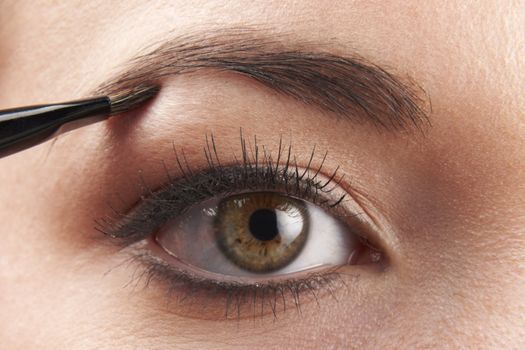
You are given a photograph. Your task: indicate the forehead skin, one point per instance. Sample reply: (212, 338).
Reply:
(460, 276)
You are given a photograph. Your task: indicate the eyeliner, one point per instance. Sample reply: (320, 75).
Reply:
(25, 127)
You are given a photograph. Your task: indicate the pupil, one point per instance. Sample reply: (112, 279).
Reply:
(263, 224)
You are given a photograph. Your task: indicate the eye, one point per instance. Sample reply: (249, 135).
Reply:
(257, 235)
(258, 231)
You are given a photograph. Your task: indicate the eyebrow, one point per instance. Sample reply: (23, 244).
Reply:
(344, 85)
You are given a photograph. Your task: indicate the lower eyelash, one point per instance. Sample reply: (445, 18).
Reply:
(239, 300)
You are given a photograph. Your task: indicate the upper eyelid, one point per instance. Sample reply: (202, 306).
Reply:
(156, 201)
(254, 157)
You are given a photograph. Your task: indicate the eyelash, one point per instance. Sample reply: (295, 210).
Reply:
(249, 174)
(255, 171)
(263, 297)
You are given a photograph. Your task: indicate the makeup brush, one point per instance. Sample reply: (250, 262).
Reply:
(24, 127)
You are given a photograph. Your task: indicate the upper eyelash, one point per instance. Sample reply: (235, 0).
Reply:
(255, 171)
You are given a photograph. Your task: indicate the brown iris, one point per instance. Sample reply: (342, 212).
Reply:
(261, 231)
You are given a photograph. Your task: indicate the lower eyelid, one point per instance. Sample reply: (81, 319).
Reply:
(189, 296)
(193, 296)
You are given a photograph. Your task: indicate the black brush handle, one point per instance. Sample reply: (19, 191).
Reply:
(21, 128)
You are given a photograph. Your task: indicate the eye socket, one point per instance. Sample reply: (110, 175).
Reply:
(258, 236)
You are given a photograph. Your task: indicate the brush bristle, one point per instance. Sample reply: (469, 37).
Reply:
(132, 98)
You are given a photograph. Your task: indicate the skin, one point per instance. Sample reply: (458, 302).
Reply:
(450, 204)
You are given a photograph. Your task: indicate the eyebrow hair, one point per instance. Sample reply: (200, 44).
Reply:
(347, 86)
